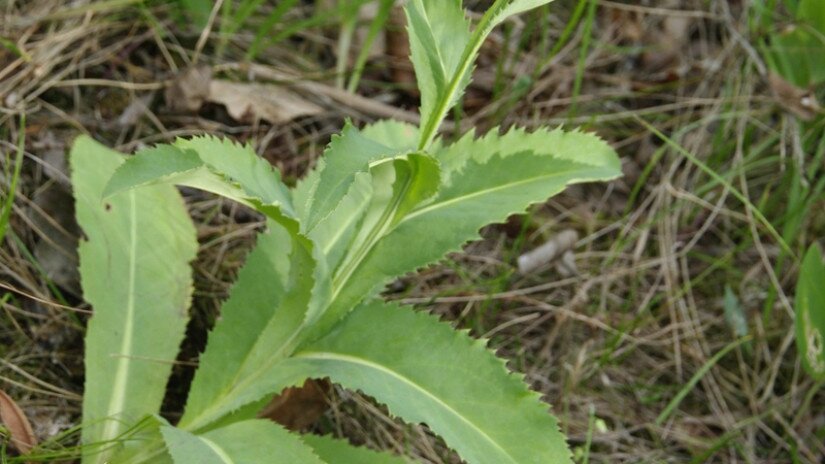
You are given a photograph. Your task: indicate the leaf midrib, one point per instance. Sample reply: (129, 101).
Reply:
(217, 450)
(121, 379)
(330, 356)
(487, 191)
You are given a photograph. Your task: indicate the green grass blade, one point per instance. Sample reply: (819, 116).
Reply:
(683, 392)
(735, 192)
(134, 268)
(197, 10)
(377, 25)
(8, 203)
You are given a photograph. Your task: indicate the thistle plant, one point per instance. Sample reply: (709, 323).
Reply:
(383, 201)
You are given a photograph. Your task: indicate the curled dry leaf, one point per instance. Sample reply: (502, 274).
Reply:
(245, 102)
(22, 436)
(189, 89)
(799, 101)
(251, 102)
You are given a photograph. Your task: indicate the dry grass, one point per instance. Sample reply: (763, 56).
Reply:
(609, 346)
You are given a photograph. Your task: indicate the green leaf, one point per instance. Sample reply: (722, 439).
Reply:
(337, 451)
(218, 166)
(158, 164)
(188, 448)
(334, 234)
(253, 300)
(347, 154)
(488, 186)
(438, 34)
(240, 163)
(252, 441)
(144, 442)
(515, 7)
(400, 136)
(134, 267)
(236, 172)
(398, 187)
(813, 13)
(279, 331)
(810, 313)
(455, 81)
(584, 148)
(427, 372)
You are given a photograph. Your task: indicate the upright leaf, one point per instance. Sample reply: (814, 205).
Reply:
(423, 35)
(335, 233)
(485, 188)
(279, 330)
(398, 187)
(252, 441)
(810, 313)
(134, 267)
(427, 372)
(438, 32)
(322, 191)
(253, 300)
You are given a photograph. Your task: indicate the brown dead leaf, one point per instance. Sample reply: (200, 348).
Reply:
(245, 102)
(799, 101)
(12, 417)
(251, 102)
(189, 89)
(299, 407)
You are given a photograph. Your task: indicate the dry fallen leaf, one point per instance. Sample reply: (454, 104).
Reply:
(799, 101)
(189, 89)
(299, 407)
(251, 102)
(245, 102)
(12, 417)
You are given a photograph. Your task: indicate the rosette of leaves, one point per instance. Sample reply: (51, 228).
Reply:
(383, 201)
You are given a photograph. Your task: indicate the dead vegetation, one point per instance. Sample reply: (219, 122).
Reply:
(676, 86)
